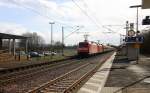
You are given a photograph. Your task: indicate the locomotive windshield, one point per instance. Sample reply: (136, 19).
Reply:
(83, 45)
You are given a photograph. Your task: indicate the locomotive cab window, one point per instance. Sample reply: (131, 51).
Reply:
(83, 45)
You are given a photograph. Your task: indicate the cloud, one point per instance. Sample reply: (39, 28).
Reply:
(102, 12)
(16, 29)
(12, 28)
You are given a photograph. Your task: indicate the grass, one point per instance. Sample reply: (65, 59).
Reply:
(67, 52)
(70, 52)
(36, 60)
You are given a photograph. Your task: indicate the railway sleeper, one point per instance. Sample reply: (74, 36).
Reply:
(65, 82)
(51, 90)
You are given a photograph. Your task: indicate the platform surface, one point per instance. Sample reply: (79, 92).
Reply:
(97, 81)
(129, 76)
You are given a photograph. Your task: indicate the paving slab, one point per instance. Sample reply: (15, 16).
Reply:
(130, 76)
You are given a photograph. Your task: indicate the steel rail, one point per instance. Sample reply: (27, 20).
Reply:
(31, 74)
(31, 70)
(81, 80)
(24, 83)
(75, 84)
(35, 90)
(32, 65)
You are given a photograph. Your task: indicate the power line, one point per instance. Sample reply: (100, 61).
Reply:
(86, 14)
(95, 16)
(96, 19)
(111, 29)
(73, 32)
(34, 11)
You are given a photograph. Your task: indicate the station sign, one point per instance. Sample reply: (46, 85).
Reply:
(137, 39)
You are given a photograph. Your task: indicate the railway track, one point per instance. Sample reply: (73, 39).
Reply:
(30, 81)
(17, 68)
(32, 71)
(25, 81)
(70, 81)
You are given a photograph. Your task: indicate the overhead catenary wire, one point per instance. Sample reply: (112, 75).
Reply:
(98, 20)
(86, 5)
(47, 17)
(38, 13)
(91, 18)
(86, 14)
(90, 12)
(72, 32)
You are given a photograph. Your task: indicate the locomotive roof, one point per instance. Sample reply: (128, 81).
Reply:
(90, 42)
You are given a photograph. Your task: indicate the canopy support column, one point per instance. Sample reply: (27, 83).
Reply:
(9, 46)
(14, 47)
(26, 48)
(1, 43)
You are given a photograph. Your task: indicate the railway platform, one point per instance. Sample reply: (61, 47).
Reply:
(128, 76)
(97, 81)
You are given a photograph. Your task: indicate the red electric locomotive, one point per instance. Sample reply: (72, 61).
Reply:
(89, 48)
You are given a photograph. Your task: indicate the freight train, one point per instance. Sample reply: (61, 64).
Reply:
(87, 48)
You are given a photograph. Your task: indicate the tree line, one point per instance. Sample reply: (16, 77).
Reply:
(36, 42)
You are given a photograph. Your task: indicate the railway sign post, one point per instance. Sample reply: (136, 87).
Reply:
(133, 47)
(133, 41)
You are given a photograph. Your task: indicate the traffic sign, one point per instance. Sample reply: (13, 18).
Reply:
(131, 33)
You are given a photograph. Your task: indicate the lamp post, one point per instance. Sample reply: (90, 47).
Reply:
(62, 41)
(51, 44)
(137, 16)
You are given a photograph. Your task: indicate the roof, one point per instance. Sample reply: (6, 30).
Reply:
(145, 4)
(10, 36)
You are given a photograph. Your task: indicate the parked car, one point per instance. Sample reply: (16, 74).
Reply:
(41, 54)
(53, 53)
(34, 54)
(47, 53)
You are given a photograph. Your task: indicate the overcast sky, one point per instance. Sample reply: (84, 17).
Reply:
(20, 16)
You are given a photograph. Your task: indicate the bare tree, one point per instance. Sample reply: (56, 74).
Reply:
(34, 41)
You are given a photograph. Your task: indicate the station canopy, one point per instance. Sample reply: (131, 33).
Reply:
(10, 36)
(145, 4)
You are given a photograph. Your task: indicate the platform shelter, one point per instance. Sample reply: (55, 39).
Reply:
(12, 38)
